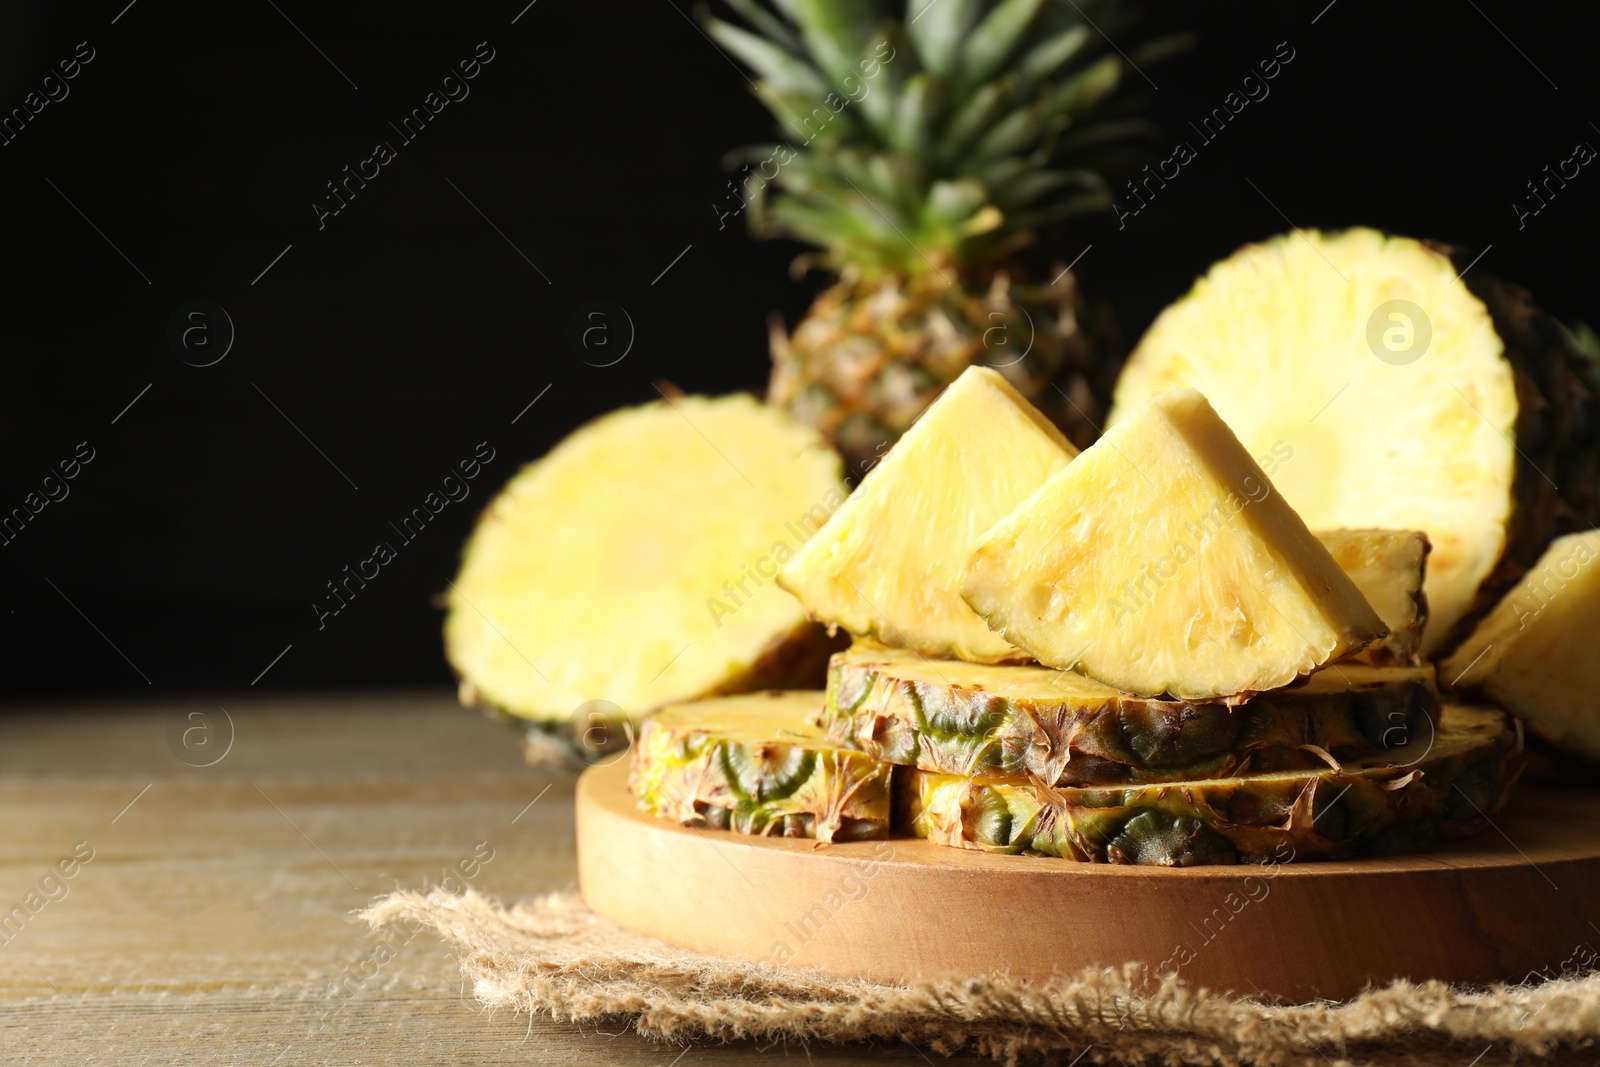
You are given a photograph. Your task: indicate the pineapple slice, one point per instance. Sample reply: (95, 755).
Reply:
(755, 764)
(1401, 395)
(1389, 567)
(888, 562)
(1161, 561)
(1534, 653)
(1065, 729)
(631, 567)
(1436, 789)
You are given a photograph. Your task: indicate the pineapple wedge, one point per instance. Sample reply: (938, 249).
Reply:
(1534, 654)
(888, 562)
(756, 765)
(1389, 567)
(1437, 789)
(631, 567)
(1162, 561)
(1065, 729)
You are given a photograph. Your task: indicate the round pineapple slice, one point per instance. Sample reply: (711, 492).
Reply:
(1386, 389)
(758, 764)
(632, 566)
(1066, 729)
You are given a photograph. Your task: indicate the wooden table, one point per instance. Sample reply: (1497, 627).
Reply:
(215, 915)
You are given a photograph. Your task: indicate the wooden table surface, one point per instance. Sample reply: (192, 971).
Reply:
(214, 916)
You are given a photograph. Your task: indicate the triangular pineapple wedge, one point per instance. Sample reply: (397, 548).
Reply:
(1389, 567)
(888, 562)
(1162, 561)
(1534, 654)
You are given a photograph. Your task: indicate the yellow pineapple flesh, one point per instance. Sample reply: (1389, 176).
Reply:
(888, 562)
(1389, 567)
(1162, 561)
(631, 567)
(1534, 653)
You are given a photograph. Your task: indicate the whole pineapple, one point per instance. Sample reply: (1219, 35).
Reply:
(924, 145)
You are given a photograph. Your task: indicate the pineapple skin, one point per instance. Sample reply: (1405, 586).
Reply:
(776, 777)
(879, 701)
(1557, 434)
(1371, 810)
(869, 357)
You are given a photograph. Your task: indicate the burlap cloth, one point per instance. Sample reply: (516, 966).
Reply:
(553, 956)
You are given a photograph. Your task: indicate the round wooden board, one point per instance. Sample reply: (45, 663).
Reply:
(1522, 897)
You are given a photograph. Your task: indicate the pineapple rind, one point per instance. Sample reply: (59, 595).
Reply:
(1162, 561)
(1384, 806)
(755, 764)
(869, 357)
(889, 562)
(1066, 729)
(1533, 654)
(1389, 567)
(601, 572)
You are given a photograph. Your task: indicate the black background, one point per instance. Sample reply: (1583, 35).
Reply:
(408, 329)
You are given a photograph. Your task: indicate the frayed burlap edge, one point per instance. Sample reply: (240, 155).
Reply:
(553, 956)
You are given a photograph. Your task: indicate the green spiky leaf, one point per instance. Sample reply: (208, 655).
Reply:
(936, 28)
(921, 132)
(1050, 55)
(780, 69)
(995, 38)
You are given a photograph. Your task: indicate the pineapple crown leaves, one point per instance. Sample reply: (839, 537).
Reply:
(931, 133)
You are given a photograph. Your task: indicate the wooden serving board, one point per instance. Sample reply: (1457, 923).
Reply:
(1522, 898)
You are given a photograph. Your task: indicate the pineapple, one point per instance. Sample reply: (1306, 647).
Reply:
(756, 765)
(1065, 729)
(1436, 789)
(1162, 561)
(1534, 653)
(888, 561)
(630, 568)
(1411, 398)
(923, 147)
(1389, 567)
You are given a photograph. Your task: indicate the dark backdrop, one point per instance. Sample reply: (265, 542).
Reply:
(424, 317)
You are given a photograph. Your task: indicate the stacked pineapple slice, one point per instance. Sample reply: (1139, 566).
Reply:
(756, 764)
(1139, 654)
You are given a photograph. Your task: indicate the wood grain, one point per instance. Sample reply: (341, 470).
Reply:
(214, 919)
(1516, 899)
